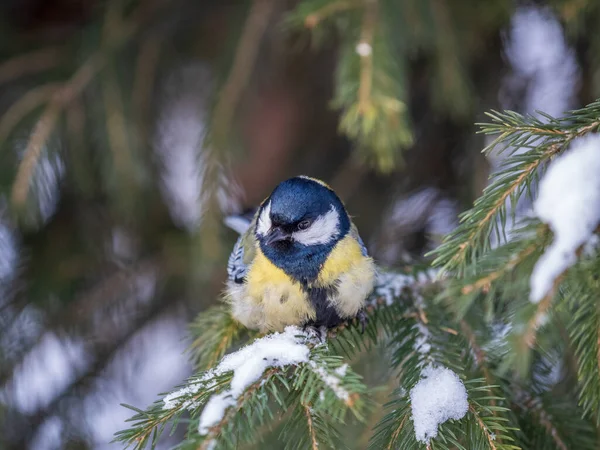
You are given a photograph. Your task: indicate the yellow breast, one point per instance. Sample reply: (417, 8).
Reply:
(281, 299)
(345, 255)
(352, 273)
(270, 300)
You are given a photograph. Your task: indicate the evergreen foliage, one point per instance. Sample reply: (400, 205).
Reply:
(531, 371)
(523, 364)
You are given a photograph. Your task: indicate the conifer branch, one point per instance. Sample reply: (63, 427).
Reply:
(462, 246)
(369, 91)
(483, 283)
(544, 305)
(217, 429)
(243, 63)
(30, 63)
(545, 420)
(315, 18)
(64, 94)
(118, 140)
(311, 429)
(480, 357)
(483, 428)
(26, 104)
(40, 134)
(321, 382)
(583, 328)
(215, 331)
(396, 433)
(366, 57)
(541, 142)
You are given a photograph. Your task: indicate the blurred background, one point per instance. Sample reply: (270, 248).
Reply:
(129, 128)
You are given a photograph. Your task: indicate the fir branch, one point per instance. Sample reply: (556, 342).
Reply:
(534, 406)
(26, 104)
(216, 430)
(480, 356)
(541, 141)
(313, 19)
(243, 63)
(40, 134)
(148, 425)
(366, 57)
(483, 283)
(369, 88)
(584, 331)
(215, 331)
(311, 429)
(483, 428)
(529, 336)
(30, 63)
(467, 242)
(321, 382)
(68, 91)
(396, 429)
(45, 126)
(396, 433)
(118, 139)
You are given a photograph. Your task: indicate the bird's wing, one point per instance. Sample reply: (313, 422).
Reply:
(355, 235)
(243, 252)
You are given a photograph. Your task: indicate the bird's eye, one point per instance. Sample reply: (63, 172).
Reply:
(304, 225)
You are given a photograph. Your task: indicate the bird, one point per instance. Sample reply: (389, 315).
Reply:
(299, 261)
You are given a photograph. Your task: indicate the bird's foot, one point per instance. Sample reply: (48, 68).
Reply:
(319, 332)
(363, 320)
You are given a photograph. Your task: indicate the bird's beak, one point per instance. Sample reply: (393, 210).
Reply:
(276, 235)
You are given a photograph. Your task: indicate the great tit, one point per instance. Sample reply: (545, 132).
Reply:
(299, 261)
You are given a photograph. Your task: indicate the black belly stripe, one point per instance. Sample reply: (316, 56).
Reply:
(326, 315)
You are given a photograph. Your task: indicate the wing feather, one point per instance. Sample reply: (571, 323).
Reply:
(242, 255)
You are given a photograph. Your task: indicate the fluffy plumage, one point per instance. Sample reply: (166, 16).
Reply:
(299, 262)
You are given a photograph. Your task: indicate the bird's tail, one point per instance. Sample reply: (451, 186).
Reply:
(240, 222)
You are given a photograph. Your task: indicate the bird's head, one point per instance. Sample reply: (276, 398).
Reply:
(299, 224)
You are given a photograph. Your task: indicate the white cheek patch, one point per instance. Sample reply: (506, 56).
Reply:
(264, 224)
(322, 230)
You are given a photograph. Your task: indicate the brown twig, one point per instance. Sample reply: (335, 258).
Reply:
(366, 59)
(243, 64)
(533, 405)
(313, 19)
(229, 97)
(530, 168)
(29, 63)
(115, 122)
(64, 95)
(311, 428)
(479, 355)
(26, 104)
(216, 429)
(396, 433)
(486, 281)
(45, 125)
(485, 430)
(33, 151)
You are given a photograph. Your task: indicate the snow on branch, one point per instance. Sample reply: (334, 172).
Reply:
(294, 368)
(438, 396)
(569, 202)
(248, 364)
